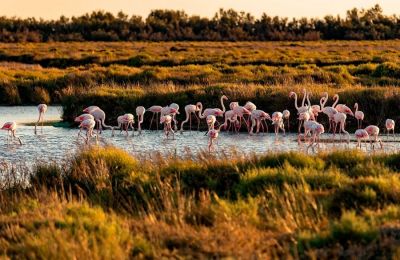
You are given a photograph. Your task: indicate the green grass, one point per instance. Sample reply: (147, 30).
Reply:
(104, 203)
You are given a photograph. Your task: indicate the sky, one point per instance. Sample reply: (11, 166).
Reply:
(53, 9)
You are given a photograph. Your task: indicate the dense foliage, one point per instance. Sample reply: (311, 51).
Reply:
(226, 25)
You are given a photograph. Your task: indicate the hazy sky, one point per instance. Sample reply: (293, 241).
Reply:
(290, 8)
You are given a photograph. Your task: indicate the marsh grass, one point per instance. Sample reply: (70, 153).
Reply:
(104, 203)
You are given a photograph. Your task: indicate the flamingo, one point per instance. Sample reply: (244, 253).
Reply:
(286, 115)
(257, 117)
(301, 109)
(308, 124)
(89, 125)
(250, 106)
(359, 115)
(361, 134)
(155, 110)
(90, 108)
(176, 107)
(233, 104)
(277, 121)
(167, 121)
(11, 128)
(140, 110)
(212, 136)
(240, 112)
(42, 108)
(389, 125)
(99, 117)
(373, 131)
(231, 119)
(316, 129)
(212, 111)
(342, 108)
(211, 119)
(189, 110)
(125, 121)
(81, 118)
(329, 111)
(340, 118)
(172, 111)
(313, 109)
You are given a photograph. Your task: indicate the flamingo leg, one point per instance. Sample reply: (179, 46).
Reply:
(151, 121)
(190, 122)
(157, 120)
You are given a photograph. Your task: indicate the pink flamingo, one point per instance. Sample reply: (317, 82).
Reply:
(176, 107)
(286, 116)
(373, 132)
(389, 125)
(140, 110)
(42, 108)
(233, 104)
(125, 122)
(359, 115)
(257, 117)
(211, 119)
(277, 121)
(90, 108)
(167, 121)
(308, 124)
(250, 106)
(155, 110)
(189, 110)
(172, 111)
(316, 130)
(301, 109)
(340, 119)
(212, 111)
(329, 111)
(313, 109)
(231, 119)
(361, 134)
(241, 112)
(342, 108)
(212, 137)
(88, 125)
(82, 118)
(99, 117)
(11, 128)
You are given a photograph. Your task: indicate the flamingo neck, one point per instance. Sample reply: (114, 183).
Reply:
(222, 104)
(336, 97)
(295, 101)
(304, 98)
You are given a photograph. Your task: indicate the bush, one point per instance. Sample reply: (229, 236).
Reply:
(104, 168)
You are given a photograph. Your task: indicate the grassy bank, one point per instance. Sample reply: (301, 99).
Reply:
(137, 54)
(32, 73)
(104, 203)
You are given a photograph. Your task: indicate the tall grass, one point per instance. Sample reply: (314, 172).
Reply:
(103, 203)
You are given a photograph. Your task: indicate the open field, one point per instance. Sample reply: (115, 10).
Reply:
(104, 203)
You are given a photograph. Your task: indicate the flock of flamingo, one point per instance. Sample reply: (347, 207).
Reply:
(309, 129)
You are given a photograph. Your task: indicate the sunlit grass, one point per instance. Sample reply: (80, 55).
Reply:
(105, 203)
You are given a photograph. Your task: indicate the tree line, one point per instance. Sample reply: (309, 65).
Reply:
(226, 25)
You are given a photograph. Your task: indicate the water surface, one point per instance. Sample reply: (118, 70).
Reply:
(56, 143)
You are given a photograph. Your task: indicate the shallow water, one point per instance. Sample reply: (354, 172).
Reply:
(56, 143)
